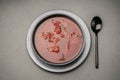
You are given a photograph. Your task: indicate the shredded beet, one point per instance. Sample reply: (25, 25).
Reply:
(54, 40)
(58, 29)
(62, 59)
(73, 33)
(44, 35)
(50, 35)
(55, 49)
(57, 25)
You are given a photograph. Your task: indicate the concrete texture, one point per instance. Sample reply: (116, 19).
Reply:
(16, 17)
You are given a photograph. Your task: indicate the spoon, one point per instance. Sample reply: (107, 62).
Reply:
(96, 25)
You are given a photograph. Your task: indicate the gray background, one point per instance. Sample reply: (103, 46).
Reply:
(16, 17)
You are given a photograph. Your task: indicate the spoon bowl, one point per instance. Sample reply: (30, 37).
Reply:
(96, 24)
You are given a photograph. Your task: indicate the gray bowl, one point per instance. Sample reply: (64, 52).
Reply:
(49, 14)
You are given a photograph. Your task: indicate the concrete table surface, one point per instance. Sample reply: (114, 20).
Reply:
(16, 17)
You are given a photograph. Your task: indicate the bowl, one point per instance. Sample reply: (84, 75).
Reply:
(57, 37)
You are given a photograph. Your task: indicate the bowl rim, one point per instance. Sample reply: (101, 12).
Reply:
(47, 14)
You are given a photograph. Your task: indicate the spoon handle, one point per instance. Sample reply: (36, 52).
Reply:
(96, 52)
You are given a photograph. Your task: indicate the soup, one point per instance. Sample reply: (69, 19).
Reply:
(58, 39)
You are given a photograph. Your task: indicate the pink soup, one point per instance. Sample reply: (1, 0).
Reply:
(58, 39)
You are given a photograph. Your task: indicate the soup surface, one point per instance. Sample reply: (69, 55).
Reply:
(58, 39)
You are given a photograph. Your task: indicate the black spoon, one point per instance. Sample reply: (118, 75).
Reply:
(96, 25)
